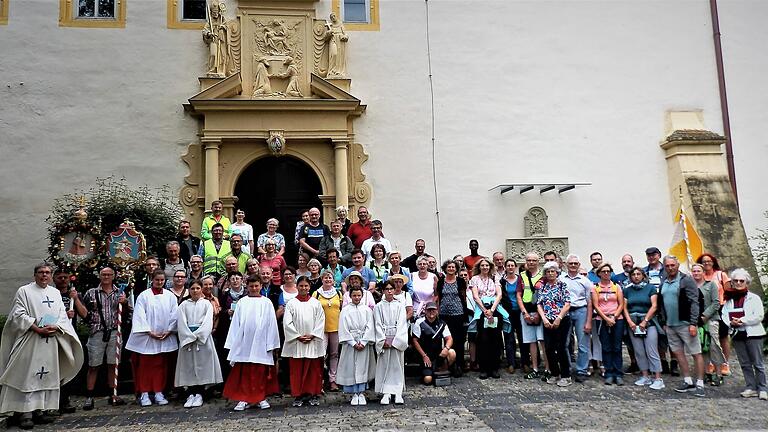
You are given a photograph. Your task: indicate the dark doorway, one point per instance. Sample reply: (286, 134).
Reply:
(279, 187)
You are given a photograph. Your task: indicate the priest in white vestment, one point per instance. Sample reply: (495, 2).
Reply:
(198, 364)
(40, 350)
(304, 328)
(357, 334)
(391, 342)
(252, 341)
(152, 339)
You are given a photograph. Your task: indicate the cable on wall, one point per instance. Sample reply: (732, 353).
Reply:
(432, 115)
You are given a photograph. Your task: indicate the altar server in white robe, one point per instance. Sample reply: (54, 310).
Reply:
(198, 364)
(152, 339)
(304, 328)
(357, 334)
(391, 342)
(252, 341)
(40, 350)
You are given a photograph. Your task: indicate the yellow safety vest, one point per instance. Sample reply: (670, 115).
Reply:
(213, 262)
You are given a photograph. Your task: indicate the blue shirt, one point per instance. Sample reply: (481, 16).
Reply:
(367, 273)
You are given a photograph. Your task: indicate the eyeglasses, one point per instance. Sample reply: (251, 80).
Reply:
(573, 263)
(739, 281)
(605, 271)
(43, 272)
(179, 277)
(707, 262)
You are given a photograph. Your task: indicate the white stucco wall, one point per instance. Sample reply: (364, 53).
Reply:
(524, 91)
(530, 92)
(95, 102)
(744, 37)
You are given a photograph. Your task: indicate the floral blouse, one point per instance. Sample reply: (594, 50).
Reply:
(552, 298)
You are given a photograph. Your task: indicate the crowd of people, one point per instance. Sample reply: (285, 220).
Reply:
(225, 313)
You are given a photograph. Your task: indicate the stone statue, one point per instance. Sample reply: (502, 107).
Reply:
(216, 35)
(337, 48)
(261, 85)
(292, 73)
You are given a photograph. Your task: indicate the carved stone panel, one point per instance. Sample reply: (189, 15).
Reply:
(536, 224)
(517, 248)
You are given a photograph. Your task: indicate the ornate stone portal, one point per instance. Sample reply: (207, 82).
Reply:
(276, 84)
(536, 228)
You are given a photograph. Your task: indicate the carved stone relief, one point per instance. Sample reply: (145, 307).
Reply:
(278, 57)
(536, 224)
(536, 229)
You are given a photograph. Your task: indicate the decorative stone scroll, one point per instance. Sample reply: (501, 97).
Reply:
(536, 229)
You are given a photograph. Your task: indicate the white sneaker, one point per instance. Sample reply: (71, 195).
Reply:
(264, 404)
(399, 400)
(355, 400)
(197, 401)
(657, 384)
(748, 393)
(241, 406)
(361, 399)
(643, 381)
(763, 395)
(144, 400)
(190, 400)
(160, 399)
(385, 399)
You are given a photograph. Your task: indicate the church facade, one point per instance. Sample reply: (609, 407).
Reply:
(573, 126)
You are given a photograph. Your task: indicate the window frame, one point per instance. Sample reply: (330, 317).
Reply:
(4, 7)
(68, 16)
(373, 15)
(175, 8)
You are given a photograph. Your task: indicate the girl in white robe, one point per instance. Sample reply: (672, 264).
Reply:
(152, 339)
(391, 342)
(198, 363)
(304, 325)
(357, 334)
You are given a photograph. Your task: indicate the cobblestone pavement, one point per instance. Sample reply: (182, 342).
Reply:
(509, 403)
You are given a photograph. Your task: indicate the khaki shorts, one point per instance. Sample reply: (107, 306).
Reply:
(97, 347)
(680, 338)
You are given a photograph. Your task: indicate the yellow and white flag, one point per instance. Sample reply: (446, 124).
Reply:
(686, 243)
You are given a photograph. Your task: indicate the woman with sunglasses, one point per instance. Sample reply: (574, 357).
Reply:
(608, 301)
(743, 315)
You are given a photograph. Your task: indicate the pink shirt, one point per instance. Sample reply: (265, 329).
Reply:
(608, 300)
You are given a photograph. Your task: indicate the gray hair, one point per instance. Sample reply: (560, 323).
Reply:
(670, 257)
(314, 261)
(41, 265)
(740, 273)
(172, 243)
(274, 221)
(422, 258)
(340, 208)
(572, 256)
(550, 264)
(206, 277)
(532, 254)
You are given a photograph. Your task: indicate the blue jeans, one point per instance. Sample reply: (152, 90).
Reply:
(610, 339)
(579, 319)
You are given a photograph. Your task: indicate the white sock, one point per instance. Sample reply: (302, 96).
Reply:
(699, 383)
(688, 380)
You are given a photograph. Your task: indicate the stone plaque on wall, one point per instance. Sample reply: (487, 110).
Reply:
(536, 229)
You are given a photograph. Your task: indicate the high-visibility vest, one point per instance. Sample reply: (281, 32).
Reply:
(213, 262)
(209, 222)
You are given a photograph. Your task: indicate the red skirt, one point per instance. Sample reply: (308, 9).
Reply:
(251, 382)
(150, 372)
(306, 376)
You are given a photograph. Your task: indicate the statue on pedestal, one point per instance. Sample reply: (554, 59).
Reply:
(337, 39)
(217, 35)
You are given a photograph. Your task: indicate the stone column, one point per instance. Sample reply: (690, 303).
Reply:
(340, 149)
(211, 147)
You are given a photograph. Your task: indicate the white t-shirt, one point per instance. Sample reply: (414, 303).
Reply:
(368, 244)
(245, 230)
